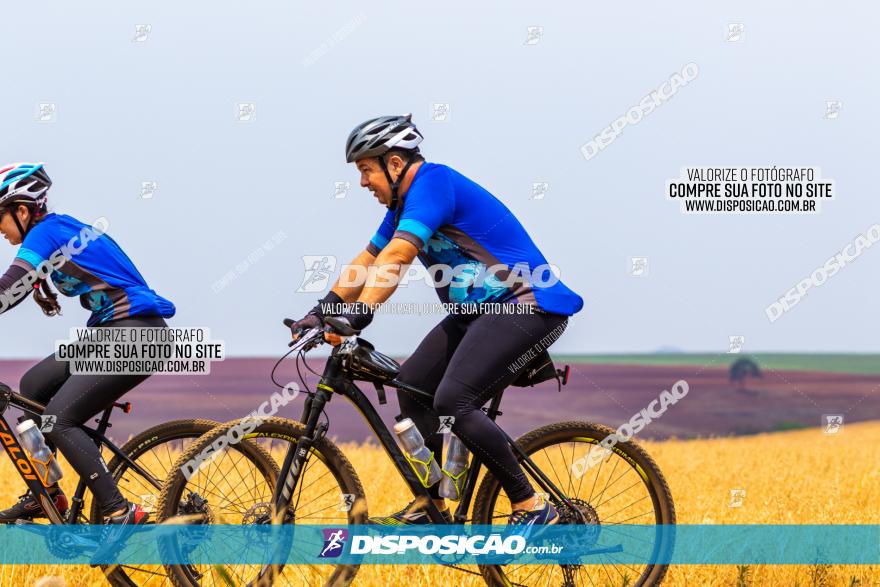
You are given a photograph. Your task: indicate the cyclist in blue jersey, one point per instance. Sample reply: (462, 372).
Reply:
(445, 219)
(82, 261)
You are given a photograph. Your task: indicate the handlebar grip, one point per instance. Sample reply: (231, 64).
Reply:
(288, 322)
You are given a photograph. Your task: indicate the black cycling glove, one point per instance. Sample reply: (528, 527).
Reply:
(360, 316)
(315, 317)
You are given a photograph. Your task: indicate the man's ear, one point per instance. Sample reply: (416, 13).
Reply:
(23, 212)
(396, 163)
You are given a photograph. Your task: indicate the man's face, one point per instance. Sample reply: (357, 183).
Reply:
(7, 225)
(373, 178)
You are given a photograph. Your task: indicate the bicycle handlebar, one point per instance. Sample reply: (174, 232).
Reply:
(315, 336)
(339, 327)
(306, 340)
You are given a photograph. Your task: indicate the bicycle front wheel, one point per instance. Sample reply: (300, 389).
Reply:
(154, 450)
(328, 492)
(624, 487)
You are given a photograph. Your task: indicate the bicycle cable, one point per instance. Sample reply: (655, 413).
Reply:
(302, 355)
(272, 374)
(309, 368)
(302, 378)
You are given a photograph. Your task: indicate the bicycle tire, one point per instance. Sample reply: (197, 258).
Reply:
(136, 447)
(280, 429)
(549, 435)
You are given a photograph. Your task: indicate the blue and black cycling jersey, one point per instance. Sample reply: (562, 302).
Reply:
(455, 222)
(99, 272)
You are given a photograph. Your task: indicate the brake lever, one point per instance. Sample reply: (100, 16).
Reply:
(315, 340)
(308, 339)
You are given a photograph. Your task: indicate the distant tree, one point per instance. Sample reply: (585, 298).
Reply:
(741, 369)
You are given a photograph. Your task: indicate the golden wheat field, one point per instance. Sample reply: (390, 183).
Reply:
(788, 478)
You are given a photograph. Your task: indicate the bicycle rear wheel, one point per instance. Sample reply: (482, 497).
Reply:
(328, 493)
(624, 487)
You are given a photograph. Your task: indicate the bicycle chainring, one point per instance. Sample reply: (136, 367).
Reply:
(63, 542)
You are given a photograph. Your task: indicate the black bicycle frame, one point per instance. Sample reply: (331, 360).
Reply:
(334, 381)
(26, 469)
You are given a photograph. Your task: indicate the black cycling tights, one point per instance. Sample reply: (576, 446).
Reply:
(464, 362)
(74, 399)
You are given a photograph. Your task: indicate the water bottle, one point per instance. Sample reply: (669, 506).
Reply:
(45, 465)
(455, 469)
(421, 459)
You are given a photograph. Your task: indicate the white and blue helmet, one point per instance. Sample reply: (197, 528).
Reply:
(24, 183)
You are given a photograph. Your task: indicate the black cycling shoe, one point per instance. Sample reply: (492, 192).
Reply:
(409, 515)
(27, 508)
(116, 530)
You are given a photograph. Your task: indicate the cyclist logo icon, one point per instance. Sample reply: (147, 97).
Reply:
(341, 189)
(334, 542)
(46, 112)
(47, 423)
(148, 188)
(638, 266)
(833, 423)
(319, 269)
(446, 424)
(347, 502)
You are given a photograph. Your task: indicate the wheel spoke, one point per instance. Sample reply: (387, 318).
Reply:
(240, 483)
(606, 492)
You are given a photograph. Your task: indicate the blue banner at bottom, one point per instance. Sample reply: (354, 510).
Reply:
(441, 544)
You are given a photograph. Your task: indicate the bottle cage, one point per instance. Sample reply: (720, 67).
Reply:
(457, 480)
(426, 464)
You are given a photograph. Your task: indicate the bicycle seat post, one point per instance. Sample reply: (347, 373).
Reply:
(104, 422)
(492, 409)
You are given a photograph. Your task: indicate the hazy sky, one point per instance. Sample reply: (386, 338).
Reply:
(162, 105)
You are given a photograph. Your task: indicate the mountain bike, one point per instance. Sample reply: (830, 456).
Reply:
(626, 487)
(139, 468)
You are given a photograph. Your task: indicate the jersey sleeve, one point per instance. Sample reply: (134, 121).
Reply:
(428, 205)
(13, 287)
(383, 235)
(38, 246)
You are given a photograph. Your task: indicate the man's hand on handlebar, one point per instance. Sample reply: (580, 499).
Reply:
(315, 317)
(303, 325)
(335, 327)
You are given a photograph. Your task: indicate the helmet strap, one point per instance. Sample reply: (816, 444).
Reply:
(14, 212)
(395, 184)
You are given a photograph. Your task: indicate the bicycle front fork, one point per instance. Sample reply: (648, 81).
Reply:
(298, 454)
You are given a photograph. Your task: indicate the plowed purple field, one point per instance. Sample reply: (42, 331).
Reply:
(608, 394)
